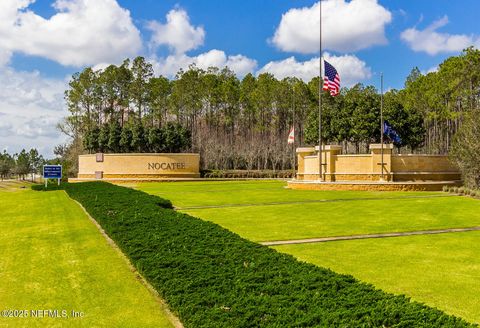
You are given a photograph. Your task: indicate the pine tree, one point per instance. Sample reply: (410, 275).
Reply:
(114, 136)
(126, 139)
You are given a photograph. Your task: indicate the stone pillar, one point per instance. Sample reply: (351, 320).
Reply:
(376, 151)
(308, 162)
(329, 153)
(301, 153)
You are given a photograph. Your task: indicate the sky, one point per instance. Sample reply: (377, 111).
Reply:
(44, 42)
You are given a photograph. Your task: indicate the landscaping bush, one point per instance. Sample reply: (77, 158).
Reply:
(247, 174)
(41, 187)
(462, 190)
(124, 197)
(211, 277)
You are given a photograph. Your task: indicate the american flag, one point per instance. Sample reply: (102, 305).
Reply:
(331, 81)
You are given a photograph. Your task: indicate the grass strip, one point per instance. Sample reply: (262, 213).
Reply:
(305, 202)
(52, 258)
(211, 277)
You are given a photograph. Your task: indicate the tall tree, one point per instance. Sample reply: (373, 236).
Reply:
(142, 72)
(22, 164)
(7, 164)
(159, 89)
(466, 149)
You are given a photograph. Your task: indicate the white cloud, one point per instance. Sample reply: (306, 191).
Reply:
(6, 128)
(178, 34)
(5, 56)
(170, 65)
(81, 32)
(291, 67)
(350, 68)
(433, 42)
(180, 37)
(42, 126)
(432, 69)
(347, 26)
(30, 107)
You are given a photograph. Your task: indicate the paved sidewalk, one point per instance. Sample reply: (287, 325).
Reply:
(307, 202)
(368, 236)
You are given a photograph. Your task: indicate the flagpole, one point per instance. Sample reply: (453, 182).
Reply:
(381, 122)
(320, 87)
(294, 153)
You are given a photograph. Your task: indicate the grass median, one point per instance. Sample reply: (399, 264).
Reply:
(322, 213)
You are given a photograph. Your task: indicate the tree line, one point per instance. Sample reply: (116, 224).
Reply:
(21, 164)
(136, 137)
(243, 123)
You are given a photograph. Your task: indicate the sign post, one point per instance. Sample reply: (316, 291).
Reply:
(52, 172)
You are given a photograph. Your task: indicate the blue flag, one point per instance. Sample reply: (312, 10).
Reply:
(391, 133)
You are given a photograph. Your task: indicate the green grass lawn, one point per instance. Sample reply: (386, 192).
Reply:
(439, 270)
(351, 212)
(190, 194)
(53, 257)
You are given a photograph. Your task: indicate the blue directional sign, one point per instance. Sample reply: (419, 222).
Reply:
(52, 171)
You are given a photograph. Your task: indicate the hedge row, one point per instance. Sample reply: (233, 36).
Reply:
(248, 174)
(211, 277)
(124, 196)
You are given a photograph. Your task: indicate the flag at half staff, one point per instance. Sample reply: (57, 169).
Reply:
(331, 81)
(291, 136)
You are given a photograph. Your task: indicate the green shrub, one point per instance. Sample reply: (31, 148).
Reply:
(445, 188)
(53, 186)
(210, 277)
(461, 190)
(252, 174)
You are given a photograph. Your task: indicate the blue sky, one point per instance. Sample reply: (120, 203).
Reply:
(44, 42)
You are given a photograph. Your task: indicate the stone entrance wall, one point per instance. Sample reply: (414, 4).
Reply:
(368, 167)
(130, 166)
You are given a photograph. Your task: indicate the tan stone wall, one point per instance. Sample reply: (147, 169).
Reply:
(398, 186)
(140, 165)
(368, 167)
(422, 163)
(311, 164)
(353, 164)
(428, 176)
(362, 177)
